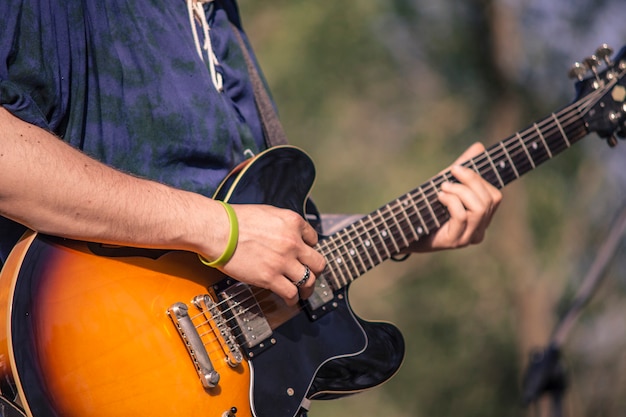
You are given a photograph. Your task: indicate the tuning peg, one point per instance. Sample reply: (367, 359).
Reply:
(611, 141)
(591, 62)
(604, 52)
(577, 71)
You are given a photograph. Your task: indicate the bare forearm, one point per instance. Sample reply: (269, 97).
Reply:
(52, 188)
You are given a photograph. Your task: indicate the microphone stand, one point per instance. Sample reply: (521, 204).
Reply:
(545, 374)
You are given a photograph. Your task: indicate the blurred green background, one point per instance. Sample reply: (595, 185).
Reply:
(383, 94)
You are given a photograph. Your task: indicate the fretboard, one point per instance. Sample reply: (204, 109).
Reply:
(387, 231)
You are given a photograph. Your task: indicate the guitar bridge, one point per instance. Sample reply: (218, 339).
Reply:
(179, 313)
(220, 328)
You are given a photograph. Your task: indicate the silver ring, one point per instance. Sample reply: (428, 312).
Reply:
(305, 277)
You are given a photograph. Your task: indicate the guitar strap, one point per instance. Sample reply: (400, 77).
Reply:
(272, 128)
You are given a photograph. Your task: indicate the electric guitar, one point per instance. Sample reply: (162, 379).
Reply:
(101, 331)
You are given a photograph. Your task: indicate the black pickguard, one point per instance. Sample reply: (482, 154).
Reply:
(335, 355)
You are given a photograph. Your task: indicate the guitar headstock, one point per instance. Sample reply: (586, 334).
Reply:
(601, 90)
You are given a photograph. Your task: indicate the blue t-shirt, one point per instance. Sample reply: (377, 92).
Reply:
(122, 81)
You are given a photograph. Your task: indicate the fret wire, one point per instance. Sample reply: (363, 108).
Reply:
(341, 246)
(510, 161)
(435, 184)
(395, 234)
(449, 177)
(357, 236)
(408, 219)
(347, 273)
(335, 265)
(388, 229)
(379, 235)
(353, 251)
(554, 138)
(474, 165)
(537, 133)
(491, 179)
(495, 170)
(519, 137)
(395, 219)
(561, 129)
(568, 114)
(525, 143)
(430, 207)
(518, 156)
(350, 253)
(335, 280)
(419, 215)
(431, 222)
(539, 152)
(372, 245)
(505, 170)
(363, 245)
(543, 140)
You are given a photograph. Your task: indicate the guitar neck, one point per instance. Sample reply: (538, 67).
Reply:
(387, 231)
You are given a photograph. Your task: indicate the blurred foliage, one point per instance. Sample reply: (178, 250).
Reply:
(385, 94)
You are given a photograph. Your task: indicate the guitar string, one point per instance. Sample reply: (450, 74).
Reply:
(483, 163)
(517, 150)
(512, 153)
(361, 229)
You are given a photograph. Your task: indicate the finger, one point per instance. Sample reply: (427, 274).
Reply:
(307, 291)
(312, 258)
(470, 199)
(474, 150)
(285, 289)
(309, 235)
(299, 274)
(474, 183)
(487, 197)
(476, 214)
(305, 283)
(457, 224)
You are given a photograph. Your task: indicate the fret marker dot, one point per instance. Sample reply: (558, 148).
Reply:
(352, 252)
(339, 260)
(367, 243)
(420, 230)
(384, 233)
(535, 146)
(502, 165)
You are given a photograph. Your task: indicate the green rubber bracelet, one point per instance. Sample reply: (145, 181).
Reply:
(233, 238)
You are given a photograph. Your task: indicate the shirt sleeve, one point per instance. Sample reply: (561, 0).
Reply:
(31, 64)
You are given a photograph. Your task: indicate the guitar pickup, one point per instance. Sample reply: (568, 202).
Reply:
(247, 313)
(322, 294)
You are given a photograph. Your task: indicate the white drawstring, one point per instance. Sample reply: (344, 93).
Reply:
(196, 9)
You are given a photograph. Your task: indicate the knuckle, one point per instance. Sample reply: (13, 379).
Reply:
(321, 264)
(292, 296)
(293, 218)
